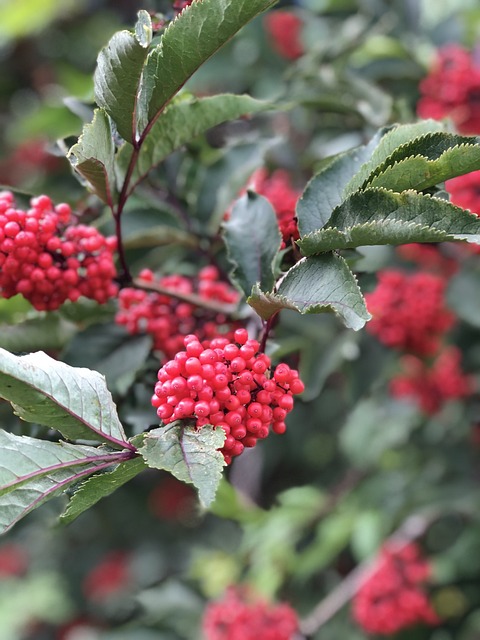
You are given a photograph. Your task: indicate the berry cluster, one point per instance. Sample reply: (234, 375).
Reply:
(409, 311)
(49, 260)
(451, 89)
(278, 190)
(167, 319)
(392, 597)
(284, 29)
(432, 385)
(429, 258)
(240, 617)
(171, 500)
(227, 384)
(180, 5)
(111, 576)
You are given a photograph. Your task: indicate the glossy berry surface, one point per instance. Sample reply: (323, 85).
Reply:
(229, 385)
(48, 258)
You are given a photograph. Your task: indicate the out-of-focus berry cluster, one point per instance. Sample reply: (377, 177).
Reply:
(167, 319)
(49, 259)
(393, 598)
(239, 616)
(451, 89)
(228, 385)
(285, 30)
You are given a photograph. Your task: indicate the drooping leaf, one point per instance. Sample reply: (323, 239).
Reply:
(419, 172)
(189, 454)
(33, 471)
(75, 401)
(92, 157)
(325, 191)
(182, 122)
(99, 486)
(253, 239)
(118, 72)
(462, 295)
(377, 216)
(316, 285)
(193, 37)
(389, 144)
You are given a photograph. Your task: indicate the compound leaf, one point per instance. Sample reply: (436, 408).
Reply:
(75, 401)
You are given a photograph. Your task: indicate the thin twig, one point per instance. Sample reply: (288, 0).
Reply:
(191, 298)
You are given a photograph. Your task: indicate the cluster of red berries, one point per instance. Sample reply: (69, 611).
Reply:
(392, 598)
(465, 191)
(431, 385)
(451, 89)
(167, 319)
(180, 5)
(278, 190)
(49, 260)
(284, 29)
(409, 311)
(111, 576)
(171, 500)
(429, 257)
(228, 385)
(239, 616)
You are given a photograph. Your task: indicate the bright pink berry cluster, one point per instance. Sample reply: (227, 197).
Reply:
(167, 319)
(432, 385)
(284, 29)
(278, 190)
(465, 191)
(451, 89)
(228, 385)
(409, 311)
(392, 598)
(49, 260)
(239, 616)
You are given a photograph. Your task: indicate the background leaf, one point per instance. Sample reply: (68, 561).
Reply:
(316, 285)
(253, 239)
(74, 401)
(189, 454)
(33, 471)
(118, 72)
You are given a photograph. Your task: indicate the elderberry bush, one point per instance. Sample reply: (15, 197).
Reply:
(239, 341)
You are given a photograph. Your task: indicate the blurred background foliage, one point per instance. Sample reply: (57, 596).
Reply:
(299, 512)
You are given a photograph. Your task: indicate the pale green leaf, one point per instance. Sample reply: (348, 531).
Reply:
(253, 240)
(377, 216)
(75, 401)
(33, 471)
(193, 37)
(191, 455)
(316, 285)
(180, 123)
(99, 486)
(325, 191)
(118, 73)
(390, 142)
(92, 157)
(419, 172)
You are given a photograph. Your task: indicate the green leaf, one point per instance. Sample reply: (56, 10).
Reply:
(191, 455)
(316, 285)
(49, 331)
(180, 123)
(193, 37)
(33, 471)
(74, 401)
(377, 216)
(325, 191)
(390, 142)
(92, 157)
(462, 295)
(118, 73)
(253, 240)
(420, 173)
(99, 486)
